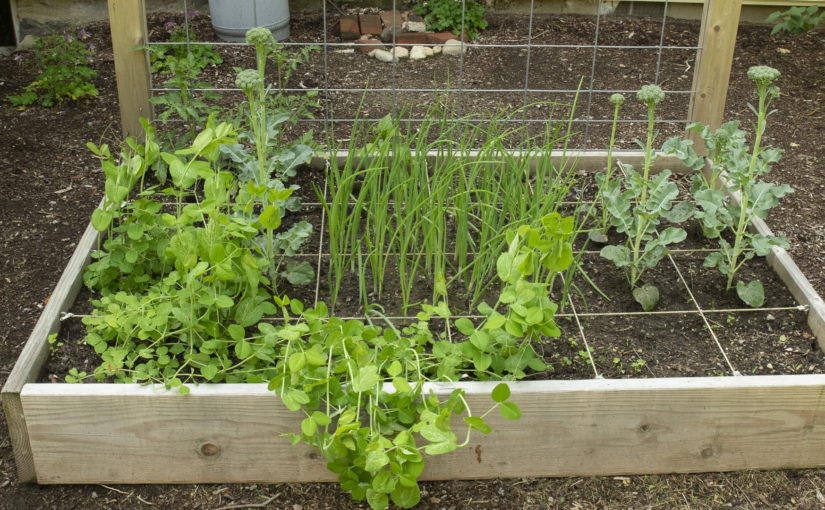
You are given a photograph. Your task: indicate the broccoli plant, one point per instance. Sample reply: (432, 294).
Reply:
(723, 218)
(637, 210)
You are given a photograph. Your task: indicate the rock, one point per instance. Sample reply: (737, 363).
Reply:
(368, 45)
(349, 27)
(401, 52)
(598, 237)
(27, 43)
(414, 26)
(390, 19)
(428, 51)
(412, 39)
(454, 47)
(437, 49)
(370, 24)
(382, 55)
(418, 53)
(386, 34)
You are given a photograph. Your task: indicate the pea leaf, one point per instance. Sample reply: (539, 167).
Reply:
(510, 411)
(500, 393)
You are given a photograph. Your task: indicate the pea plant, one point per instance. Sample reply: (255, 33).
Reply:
(637, 208)
(724, 218)
(361, 388)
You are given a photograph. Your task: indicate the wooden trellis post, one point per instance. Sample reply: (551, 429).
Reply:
(127, 19)
(711, 77)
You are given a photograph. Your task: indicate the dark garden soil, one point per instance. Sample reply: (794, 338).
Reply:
(51, 183)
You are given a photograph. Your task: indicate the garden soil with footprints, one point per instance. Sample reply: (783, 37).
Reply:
(52, 182)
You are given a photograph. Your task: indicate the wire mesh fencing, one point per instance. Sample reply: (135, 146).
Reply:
(531, 69)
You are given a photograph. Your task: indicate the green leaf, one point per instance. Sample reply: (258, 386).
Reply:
(101, 220)
(440, 448)
(308, 426)
(209, 372)
(401, 385)
(477, 423)
(297, 361)
(510, 411)
(406, 496)
(366, 379)
(465, 326)
(619, 255)
(270, 218)
(376, 459)
(384, 482)
(377, 500)
(752, 294)
(299, 273)
(680, 212)
(243, 349)
(500, 393)
(395, 368)
(647, 296)
(224, 301)
(321, 419)
(236, 332)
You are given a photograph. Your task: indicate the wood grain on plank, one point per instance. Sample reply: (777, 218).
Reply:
(232, 433)
(36, 350)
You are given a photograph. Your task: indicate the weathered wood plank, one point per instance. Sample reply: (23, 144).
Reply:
(589, 160)
(711, 75)
(125, 433)
(127, 19)
(36, 351)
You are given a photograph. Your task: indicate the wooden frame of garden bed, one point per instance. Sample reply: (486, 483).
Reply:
(126, 433)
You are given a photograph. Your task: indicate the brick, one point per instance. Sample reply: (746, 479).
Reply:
(442, 37)
(349, 27)
(391, 19)
(370, 24)
(367, 45)
(412, 38)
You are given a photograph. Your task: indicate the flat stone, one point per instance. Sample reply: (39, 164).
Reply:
(411, 39)
(370, 24)
(442, 37)
(383, 55)
(414, 26)
(350, 28)
(366, 46)
(454, 47)
(418, 53)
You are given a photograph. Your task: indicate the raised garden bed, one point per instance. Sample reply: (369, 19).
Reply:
(600, 426)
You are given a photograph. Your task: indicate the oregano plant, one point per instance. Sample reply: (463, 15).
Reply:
(723, 218)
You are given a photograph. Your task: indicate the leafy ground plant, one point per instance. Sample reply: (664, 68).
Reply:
(64, 74)
(637, 210)
(440, 15)
(727, 219)
(796, 20)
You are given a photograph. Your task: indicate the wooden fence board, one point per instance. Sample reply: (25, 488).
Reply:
(133, 434)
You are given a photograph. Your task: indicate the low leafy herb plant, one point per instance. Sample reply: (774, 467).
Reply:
(440, 15)
(722, 218)
(64, 73)
(796, 20)
(637, 208)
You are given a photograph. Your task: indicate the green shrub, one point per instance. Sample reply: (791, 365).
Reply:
(440, 15)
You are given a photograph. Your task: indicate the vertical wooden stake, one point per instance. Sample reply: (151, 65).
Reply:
(717, 39)
(127, 19)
